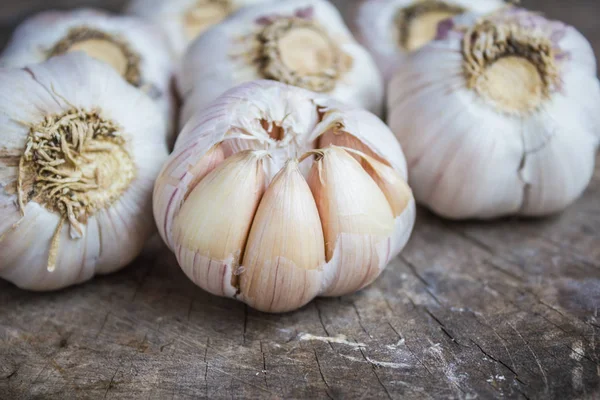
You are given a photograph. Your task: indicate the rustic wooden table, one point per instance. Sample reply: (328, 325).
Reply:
(488, 310)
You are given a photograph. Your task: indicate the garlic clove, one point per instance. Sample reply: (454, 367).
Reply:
(395, 189)
(207, 164)
(248, 47)
(10, 212)
(559, 161)
(19, 250)
(93, 174)
(126, 234)
(337, 137)
(356, 217)
(213, 223)
(345, 126)
(286, 248)
(196, 173)
(133, 48)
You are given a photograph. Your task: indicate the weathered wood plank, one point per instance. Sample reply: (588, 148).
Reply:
(505, 309)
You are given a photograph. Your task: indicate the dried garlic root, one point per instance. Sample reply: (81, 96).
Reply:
(275, 195)
(183, 21)
(297, 42)
(77, 169)
(391, 29)
(135, 49)
(499, 116)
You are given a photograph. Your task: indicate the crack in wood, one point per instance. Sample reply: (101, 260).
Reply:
(322, 376)
(495, 359)
(373, 367)
(360, 321)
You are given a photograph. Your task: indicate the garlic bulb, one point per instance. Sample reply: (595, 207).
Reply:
(79, 154)
(298, 42)
(275, 195)
(499, 117)
(390, 29)
(135, 49)
(185, 20)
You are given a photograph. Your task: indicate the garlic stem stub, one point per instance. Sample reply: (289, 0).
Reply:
(183, 21)
(303, 43)
(275, 195)
(499, 116)
(391, 29)
(79, 154)
(135, 49)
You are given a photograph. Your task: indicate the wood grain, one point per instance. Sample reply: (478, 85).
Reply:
(488, 310)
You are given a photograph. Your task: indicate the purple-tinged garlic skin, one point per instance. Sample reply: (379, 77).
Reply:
(183, 21)
(498, 116)
(134, 48)
(380, 28)
(112, 142)
(258, 43)
(301, 154)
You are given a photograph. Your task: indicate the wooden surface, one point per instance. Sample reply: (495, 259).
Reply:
(470, 310)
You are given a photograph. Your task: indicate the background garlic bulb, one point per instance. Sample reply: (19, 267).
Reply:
(79, 154)
(298, 42)
(135, 49)
(390, 29)
(501, 116)
(185, 20)
(275, 195)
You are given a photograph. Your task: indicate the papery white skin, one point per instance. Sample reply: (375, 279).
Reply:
(113, 236)
(240, 109)
(35, 37)
(373, 24)
(169, 15)
(202, 79)
(467, 159)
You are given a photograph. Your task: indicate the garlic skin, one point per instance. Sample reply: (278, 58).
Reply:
(112, 141)
(303, 43)
(490, 134)
(182, 21)
(391, 29)
(273, 212)
(134, 48)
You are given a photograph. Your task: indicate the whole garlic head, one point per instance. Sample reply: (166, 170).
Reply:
(499, 117)
(134, 48)
(79, 154)
(275, 195)
(391, 29)
(298, 42)
(185, 20)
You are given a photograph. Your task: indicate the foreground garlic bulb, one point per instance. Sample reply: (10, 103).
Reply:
(135, 49)
(275, 195)
(499, 117)
(79, 153)
(298, 42)
(390, 29)
(185, 20)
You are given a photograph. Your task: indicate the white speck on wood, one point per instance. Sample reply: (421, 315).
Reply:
(381, 364)
(395, 346)
(456, 381)
(496, 378)
(577, 353)
(340, 339)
